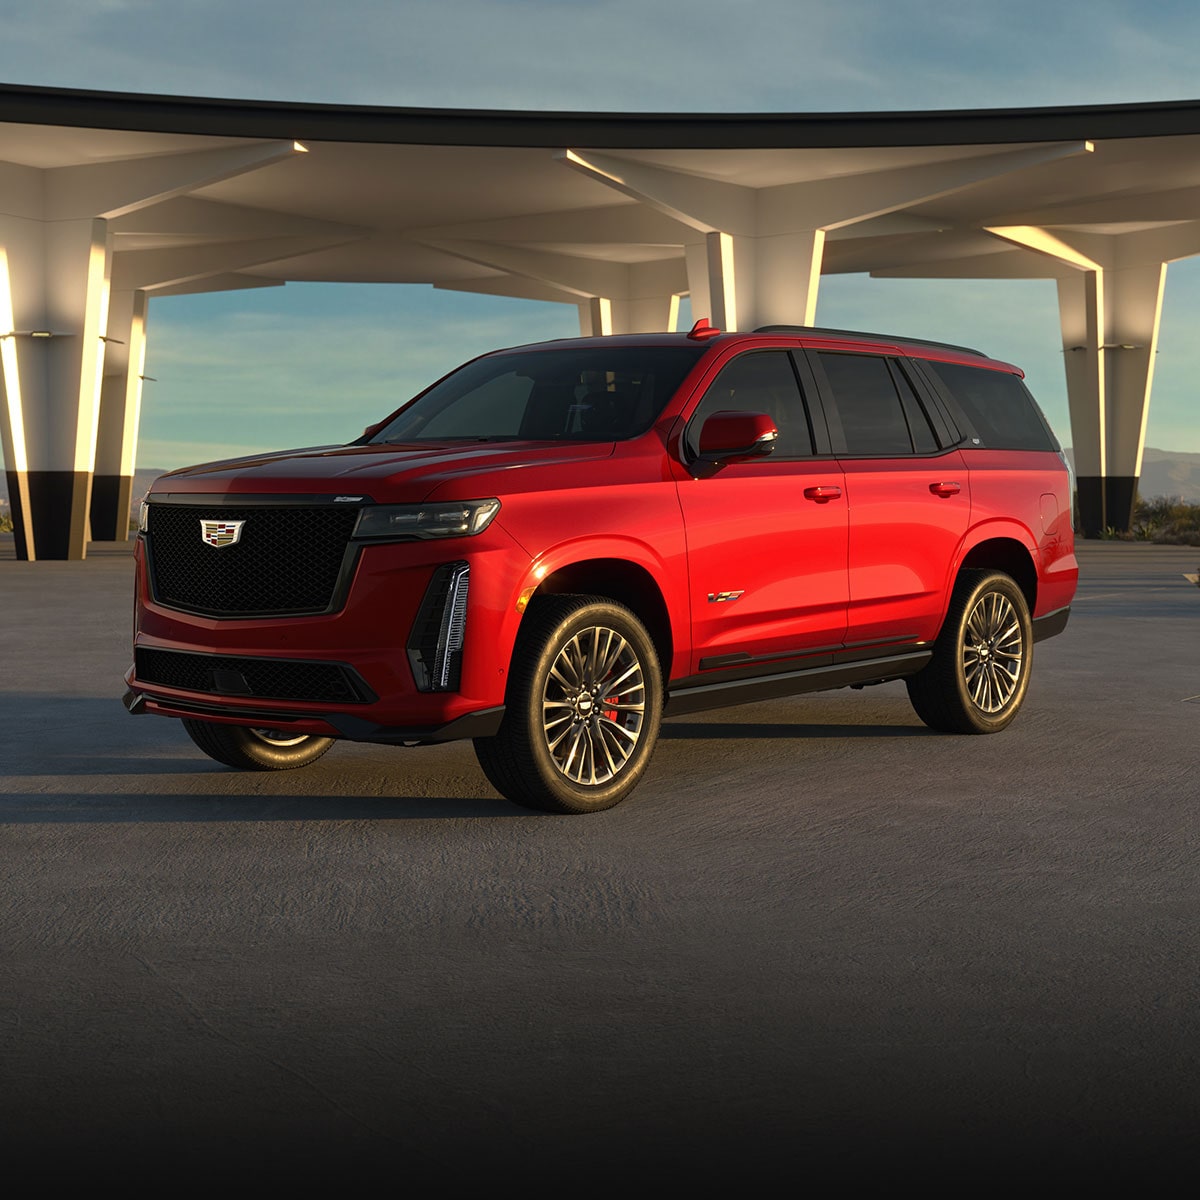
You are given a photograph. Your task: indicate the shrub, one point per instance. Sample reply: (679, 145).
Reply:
(1168, 521)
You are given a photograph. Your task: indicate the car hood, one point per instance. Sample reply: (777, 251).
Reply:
(386, 474)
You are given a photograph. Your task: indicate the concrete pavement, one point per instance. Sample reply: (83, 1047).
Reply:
(818, 936)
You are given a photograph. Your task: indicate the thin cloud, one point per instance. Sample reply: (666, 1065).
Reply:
(267, 372)
(672, 55)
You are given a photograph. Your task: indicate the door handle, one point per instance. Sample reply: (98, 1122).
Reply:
(945, 489)
(823, 493)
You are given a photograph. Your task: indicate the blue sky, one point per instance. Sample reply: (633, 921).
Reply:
(309, 364)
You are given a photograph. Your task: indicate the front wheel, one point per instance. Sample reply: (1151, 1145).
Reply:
(583, 708)
(979, 672)
(256, 749)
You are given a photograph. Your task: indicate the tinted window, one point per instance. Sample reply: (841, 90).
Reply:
(868, 404)
(498, 406)
(595, 393)
(766, 383)
(998, 405)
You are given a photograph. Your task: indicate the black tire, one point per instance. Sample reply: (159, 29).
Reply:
(565, 746)
(256, 749)
(979, 672)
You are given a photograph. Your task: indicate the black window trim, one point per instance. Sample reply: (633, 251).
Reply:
(908, 401)
(947, 403)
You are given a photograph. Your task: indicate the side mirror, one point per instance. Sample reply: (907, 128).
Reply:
(736, 437)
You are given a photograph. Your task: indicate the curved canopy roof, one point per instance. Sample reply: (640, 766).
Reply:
(487, 201)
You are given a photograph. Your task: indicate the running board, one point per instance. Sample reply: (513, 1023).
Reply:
(697, 698)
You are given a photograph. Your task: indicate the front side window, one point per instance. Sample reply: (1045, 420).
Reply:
(599, 393)
(761, 382)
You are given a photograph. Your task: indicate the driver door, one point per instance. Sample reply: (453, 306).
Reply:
(767, 539)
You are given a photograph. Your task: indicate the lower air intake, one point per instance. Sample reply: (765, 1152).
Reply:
(263, 678)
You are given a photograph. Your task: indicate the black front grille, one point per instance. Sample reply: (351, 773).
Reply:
(288, 560)
(264, 678)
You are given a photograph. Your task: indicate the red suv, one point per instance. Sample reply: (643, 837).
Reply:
(556, 544)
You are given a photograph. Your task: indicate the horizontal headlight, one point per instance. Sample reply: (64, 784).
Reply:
(450, 518)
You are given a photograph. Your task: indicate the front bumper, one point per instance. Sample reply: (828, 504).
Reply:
(483, 723)
(366, 642)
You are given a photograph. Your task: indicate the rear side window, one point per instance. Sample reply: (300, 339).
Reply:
(868, 405)
(999, 406)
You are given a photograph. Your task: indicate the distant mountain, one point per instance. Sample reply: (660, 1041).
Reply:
(1167, 473)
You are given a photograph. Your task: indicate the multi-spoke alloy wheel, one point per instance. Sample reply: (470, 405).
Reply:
(594, 706)
(979, 672)
(256, 749)
(582, 711)
(993, 653)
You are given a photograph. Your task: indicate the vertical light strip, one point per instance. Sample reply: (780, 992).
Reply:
(728, 284)
(135, 369)
(1152, 350)
(1094, 292)
(816, 257)
(14, 427)
(91, 368)
(453, 630)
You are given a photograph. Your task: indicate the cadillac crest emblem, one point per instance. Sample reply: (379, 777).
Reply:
(220, 533)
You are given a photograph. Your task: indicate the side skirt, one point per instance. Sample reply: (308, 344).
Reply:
(690, 695)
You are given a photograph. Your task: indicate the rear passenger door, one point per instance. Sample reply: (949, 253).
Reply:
(908, 497)
(766, 539)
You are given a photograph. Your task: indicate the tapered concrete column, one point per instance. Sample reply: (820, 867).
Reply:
(1132, 311)
(120, 411)
(1079, 308)
(1110, 307)
(56, 282)
(595, 317)
(56, 261)
(1110, 323)
(763, 280)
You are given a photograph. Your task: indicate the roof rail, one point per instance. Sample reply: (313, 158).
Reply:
(873, 337)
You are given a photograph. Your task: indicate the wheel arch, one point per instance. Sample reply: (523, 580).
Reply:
(1002, 551)
(626, 582)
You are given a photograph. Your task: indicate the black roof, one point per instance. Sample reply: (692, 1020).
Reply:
(890, 339)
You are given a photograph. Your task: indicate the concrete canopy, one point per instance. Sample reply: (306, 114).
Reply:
(107, 200)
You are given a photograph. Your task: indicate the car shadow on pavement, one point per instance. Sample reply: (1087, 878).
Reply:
(98, 767)
(122, 808)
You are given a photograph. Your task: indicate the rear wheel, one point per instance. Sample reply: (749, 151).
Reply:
(979, 673)
(583, 708)
(256, 749)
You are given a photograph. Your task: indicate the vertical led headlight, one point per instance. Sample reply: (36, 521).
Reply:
(436, 642)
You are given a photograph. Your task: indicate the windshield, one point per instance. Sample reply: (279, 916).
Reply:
(594, 394)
